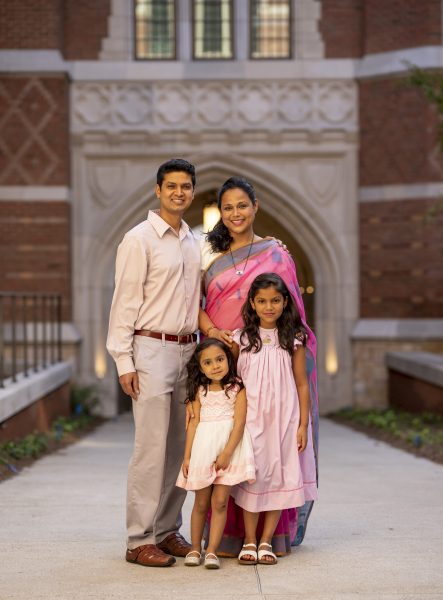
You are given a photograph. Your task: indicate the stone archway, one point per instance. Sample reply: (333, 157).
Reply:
(331, 253)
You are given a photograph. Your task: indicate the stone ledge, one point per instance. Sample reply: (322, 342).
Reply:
(398, 329)
(425, 366)
(27, 390)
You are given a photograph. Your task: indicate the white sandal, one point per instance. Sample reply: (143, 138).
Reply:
(211, 561)
(245, 551)
(263, 553)
(193, 558)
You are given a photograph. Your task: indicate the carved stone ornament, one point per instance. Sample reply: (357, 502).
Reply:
(228, 105)
(106, 179)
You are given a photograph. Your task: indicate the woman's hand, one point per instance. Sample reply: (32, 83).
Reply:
(189, 414)
(185, 467)
(302, 437)
(222, 461)
(224, 335)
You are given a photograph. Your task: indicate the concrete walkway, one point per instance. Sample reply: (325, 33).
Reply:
(375, 534)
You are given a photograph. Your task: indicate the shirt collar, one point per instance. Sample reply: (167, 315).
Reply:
(161, 227)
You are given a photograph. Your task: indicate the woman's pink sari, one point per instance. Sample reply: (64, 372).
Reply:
(226, 293)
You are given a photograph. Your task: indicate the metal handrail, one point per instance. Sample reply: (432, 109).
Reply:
(29, 321)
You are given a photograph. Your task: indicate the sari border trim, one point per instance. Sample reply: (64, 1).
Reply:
(269, 241)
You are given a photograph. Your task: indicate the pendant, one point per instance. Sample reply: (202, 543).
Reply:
(267, 340)
(239, 273)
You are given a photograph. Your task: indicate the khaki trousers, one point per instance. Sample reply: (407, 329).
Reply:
(153, 501)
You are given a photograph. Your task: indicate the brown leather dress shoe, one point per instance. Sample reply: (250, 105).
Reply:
(175, 544)
(149, 555)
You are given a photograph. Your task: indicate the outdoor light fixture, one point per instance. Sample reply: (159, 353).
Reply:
(100, 363)
(331, 352)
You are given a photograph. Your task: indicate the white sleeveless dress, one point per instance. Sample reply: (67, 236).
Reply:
(211, 436)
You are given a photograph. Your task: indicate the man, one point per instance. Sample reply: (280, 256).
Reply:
(154, 315)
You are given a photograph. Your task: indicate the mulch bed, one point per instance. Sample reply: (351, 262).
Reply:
(432, 452)
(15, 466)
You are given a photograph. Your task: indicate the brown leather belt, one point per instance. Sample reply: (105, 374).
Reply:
(180, 339)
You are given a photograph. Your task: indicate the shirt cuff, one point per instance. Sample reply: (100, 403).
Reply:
(125, 365)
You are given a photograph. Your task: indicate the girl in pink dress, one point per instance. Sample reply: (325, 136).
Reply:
(218, 450)
(272, 364)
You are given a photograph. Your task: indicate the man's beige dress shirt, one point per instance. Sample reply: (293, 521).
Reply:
(157, 286)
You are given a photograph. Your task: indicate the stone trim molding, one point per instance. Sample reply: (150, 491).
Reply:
(411, 191)
(398, 329)
(425, 366)
(17, 396)
(29, 61)
(372, 65)
(398, 61)
(229, 106)
(26, 193)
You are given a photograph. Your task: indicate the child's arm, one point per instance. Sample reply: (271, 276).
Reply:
(301, 381)
(190, 433)
(224, 458)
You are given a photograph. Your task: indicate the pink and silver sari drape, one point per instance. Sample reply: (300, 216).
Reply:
(226, 293)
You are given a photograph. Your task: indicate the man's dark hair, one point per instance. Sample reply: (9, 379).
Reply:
(174, 165)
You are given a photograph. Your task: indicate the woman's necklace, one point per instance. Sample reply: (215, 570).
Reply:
(241, 272)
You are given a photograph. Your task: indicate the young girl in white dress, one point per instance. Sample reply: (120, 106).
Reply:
(218, 450)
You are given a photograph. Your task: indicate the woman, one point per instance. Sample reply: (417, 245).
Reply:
(232, 257)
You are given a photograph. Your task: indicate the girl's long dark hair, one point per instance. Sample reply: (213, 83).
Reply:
(289, 324)
(219, 237)
(196, 378)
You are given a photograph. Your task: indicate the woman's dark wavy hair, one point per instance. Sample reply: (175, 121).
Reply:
(219, 237)
(197, 378)
(289, 324)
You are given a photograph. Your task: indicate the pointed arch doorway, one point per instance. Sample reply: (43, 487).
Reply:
(323, 249)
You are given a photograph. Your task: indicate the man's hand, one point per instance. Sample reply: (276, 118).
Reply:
(129, 383)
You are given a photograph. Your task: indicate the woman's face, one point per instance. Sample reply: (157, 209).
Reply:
(237, 211)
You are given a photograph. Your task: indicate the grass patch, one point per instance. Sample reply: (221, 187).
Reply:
(421, 434)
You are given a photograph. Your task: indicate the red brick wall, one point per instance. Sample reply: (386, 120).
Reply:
(85, 24)
(398, 134)
(35, 249)
(401, 250)
(341, 28)
(395, 24)
(34, 131)
(30, 24)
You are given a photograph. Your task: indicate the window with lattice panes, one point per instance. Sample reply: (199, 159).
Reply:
(270, 22)
(212, 29)
(155, 29)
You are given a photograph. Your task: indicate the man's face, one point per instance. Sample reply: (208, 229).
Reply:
(176, 193)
